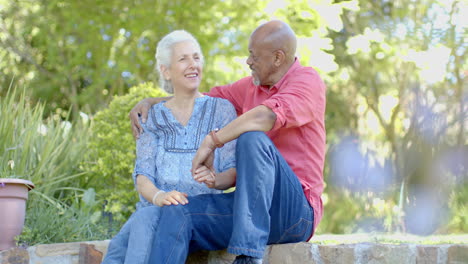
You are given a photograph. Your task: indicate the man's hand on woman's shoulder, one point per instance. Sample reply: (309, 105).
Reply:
(141, 109)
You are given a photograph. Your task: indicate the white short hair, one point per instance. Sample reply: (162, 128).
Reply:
(164, 53)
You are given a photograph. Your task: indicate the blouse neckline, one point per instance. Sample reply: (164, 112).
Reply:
(168, 111)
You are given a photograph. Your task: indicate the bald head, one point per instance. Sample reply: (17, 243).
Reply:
(272, 49)
(276, 35)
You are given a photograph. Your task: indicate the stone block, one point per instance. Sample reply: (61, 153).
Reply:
(336, 254)
(384, 253)
(289, 253)
(14, 256)
(200, 257)
(220, 257)
(457, 254)
(427, 254)
(100, 246)
(58, 249)
(89, 254)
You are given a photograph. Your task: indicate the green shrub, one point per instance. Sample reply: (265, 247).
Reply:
(112, 152)
(349, 212)
(458, 222)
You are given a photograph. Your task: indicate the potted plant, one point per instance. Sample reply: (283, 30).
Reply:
(45, 149)
(13, 196)
(17, 120)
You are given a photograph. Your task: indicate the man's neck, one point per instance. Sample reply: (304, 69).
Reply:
(277, 76)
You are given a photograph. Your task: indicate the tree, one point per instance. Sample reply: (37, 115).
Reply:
(401, 65)
(77, 54)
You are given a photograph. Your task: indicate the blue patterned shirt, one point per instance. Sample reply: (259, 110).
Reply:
(165, 150)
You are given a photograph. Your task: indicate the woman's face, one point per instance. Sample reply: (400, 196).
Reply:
(186, 67)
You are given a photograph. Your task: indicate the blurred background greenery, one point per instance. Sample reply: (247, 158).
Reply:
(396, 115)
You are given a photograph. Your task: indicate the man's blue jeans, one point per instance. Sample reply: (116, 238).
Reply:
(267, 207)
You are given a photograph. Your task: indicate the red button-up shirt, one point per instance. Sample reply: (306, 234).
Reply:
(298, 100)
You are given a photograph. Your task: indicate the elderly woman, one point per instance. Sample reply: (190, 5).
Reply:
(172, 134)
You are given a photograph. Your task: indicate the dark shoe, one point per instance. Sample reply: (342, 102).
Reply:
(242, 259)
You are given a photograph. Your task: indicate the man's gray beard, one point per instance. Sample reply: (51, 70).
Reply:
(255, 81)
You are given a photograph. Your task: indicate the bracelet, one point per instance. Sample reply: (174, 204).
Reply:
(216, 140)
(155, 195)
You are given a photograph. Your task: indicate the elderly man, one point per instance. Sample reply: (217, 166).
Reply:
(280, 155)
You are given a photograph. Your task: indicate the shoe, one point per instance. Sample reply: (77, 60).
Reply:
(243, 259)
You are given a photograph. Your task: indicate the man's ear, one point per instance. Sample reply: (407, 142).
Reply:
(165, 72)
(280, 56)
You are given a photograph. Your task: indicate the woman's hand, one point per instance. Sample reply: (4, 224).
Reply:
(205, 175)
(172, 197)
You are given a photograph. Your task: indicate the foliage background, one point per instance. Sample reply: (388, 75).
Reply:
(111, 152)
(396, 101)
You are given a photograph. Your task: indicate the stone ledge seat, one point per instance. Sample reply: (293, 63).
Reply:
(91, 252)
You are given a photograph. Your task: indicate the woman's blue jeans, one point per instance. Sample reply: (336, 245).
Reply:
(267, 207)
(132, 245)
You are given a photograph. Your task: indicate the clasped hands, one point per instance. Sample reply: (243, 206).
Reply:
(202, 171)
(202, 163)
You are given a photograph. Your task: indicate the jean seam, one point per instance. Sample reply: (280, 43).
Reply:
(177, 240)
(301, 190)
(246, 249)
(254, 202)
(190, 214)
(292, 227)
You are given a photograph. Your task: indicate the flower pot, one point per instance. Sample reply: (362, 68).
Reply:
(13, 196)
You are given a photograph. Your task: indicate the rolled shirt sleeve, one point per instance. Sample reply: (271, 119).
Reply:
(292, 103)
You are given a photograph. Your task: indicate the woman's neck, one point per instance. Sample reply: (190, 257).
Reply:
(183, 101)
(181, 105)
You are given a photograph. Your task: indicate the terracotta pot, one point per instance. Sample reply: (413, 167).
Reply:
(13, 196)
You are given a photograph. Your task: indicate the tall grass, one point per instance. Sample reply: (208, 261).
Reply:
(45, 152)
(48, 153)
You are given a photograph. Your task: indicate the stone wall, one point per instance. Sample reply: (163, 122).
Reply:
(92, 252)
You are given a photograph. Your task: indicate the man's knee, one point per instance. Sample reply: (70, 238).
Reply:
(250, 139)
(175, 215)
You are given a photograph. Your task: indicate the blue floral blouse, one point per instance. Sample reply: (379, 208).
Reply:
(165, 150)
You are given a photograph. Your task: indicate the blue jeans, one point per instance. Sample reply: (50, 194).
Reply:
(132, 245)
(268, 207)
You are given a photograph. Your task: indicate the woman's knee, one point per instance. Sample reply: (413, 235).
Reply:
(145, 215)
(146, 211)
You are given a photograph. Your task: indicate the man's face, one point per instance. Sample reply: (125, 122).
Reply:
(260, 61)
